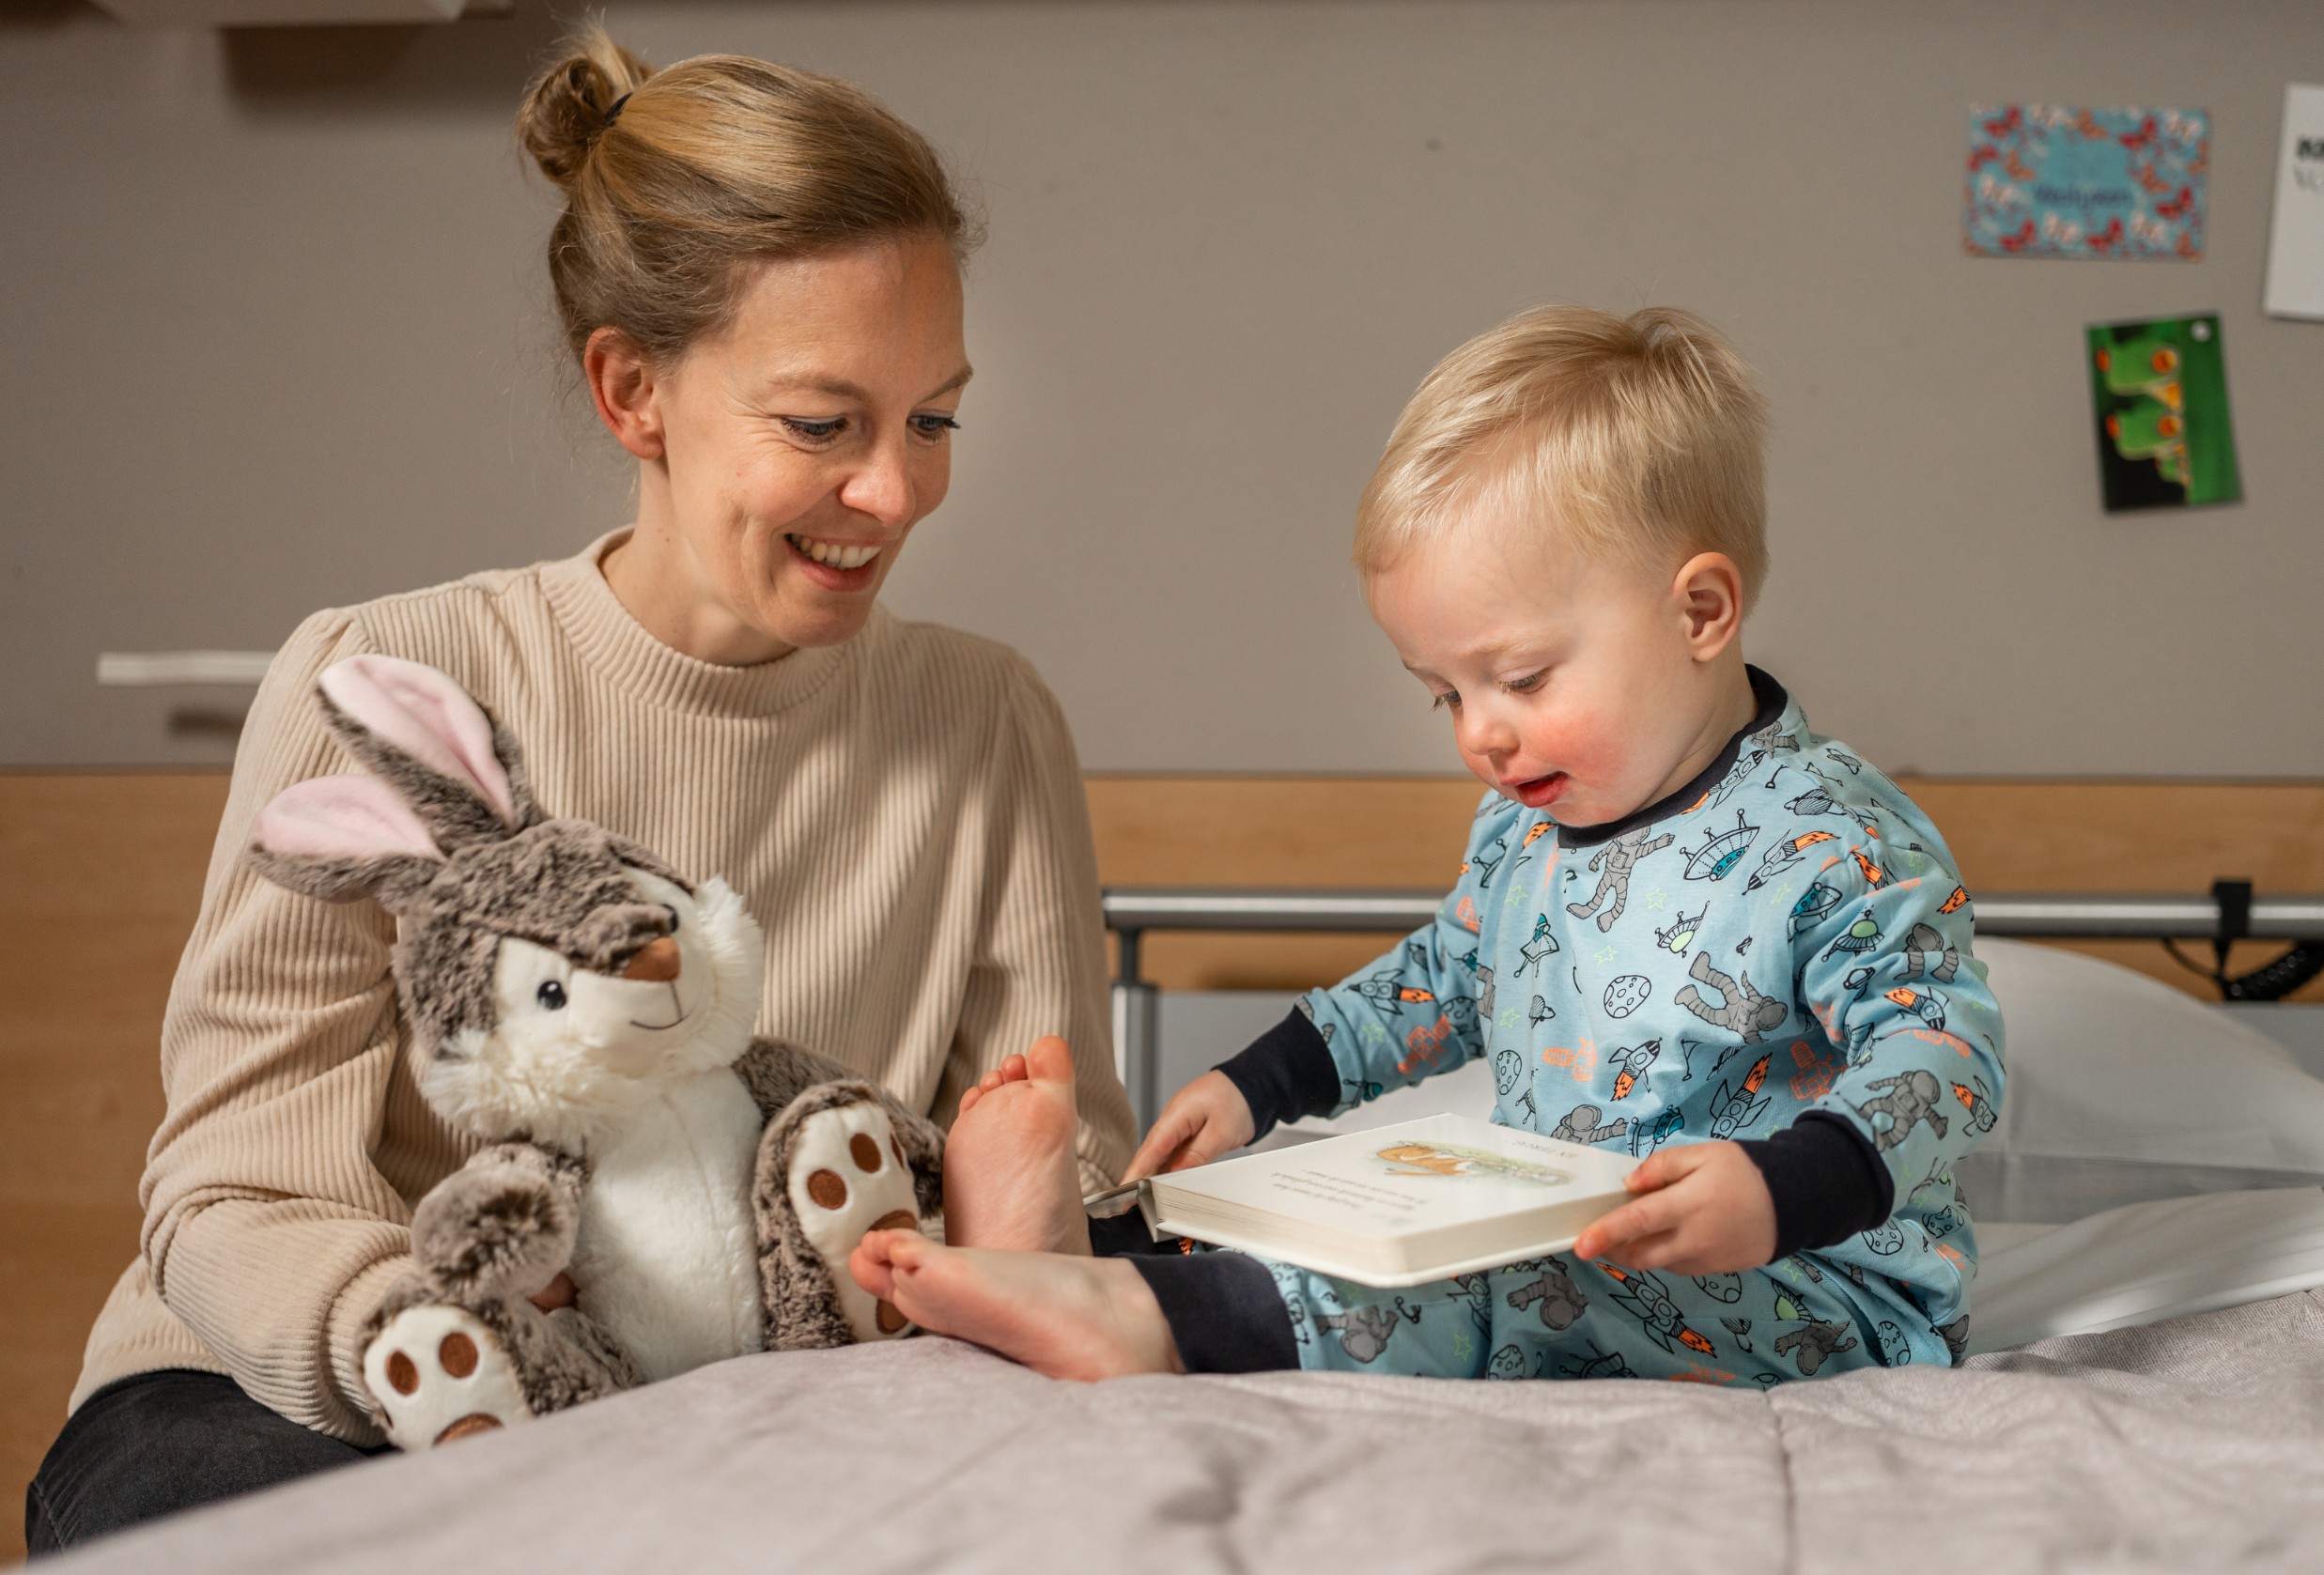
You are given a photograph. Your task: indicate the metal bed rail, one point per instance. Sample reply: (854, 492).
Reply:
(1132, 911)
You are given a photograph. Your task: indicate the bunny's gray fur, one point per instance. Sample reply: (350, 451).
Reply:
(502, 1226)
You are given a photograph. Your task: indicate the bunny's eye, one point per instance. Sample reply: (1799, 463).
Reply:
(673, 916)
(552, 995)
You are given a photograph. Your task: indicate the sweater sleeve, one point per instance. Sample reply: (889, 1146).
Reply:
(269, 1229)
(1040, 964)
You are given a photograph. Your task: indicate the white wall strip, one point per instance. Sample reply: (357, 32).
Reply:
(155, 668)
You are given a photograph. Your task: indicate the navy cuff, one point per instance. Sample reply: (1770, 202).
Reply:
(1826, 1179)
(1224, 1312)
(1125, 1234)
(1287, 1073)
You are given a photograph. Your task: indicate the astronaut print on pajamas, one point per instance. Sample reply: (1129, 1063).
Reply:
(1786, 934)
(1562, 1317)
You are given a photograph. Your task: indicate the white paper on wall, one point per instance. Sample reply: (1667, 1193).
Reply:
(2296, 252)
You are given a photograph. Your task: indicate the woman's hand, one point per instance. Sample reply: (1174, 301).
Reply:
(1202, 1121)
(1704, 1211)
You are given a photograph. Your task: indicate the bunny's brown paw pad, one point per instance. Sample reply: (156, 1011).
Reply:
(438, 1374)
(847, 1178)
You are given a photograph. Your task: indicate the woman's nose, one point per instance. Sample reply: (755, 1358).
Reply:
(882, 489)
(657, 962)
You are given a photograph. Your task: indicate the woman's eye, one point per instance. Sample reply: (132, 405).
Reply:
(551, 995)
(933, 426)
(815, 431)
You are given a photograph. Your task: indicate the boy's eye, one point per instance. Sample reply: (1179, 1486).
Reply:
(1526, 685)
(1446, 700)
(815, 430)
(934, 426)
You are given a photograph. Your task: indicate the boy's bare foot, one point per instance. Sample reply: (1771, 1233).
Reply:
(1010, 1181)
(1084, 1319)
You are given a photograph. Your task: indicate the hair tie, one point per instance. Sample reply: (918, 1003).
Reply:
(614, 113)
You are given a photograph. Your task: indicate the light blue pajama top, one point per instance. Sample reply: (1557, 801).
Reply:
(1786, 936)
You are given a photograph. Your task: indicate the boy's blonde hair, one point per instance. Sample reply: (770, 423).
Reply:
(1640, 434)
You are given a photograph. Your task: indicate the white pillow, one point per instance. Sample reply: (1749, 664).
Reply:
(2123, 1091)
(2146, 1263)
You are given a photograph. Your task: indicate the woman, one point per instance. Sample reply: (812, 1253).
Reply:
(758, 272)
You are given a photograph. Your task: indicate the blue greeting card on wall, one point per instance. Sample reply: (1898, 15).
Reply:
(2055, 181)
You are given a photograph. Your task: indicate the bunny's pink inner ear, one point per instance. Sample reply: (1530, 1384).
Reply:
(428, 717)
(342, 817)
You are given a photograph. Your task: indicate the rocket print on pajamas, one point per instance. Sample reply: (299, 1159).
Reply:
(1787, 934)
(1564, 1318)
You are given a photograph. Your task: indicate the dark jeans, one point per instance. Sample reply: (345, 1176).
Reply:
(156, 1443)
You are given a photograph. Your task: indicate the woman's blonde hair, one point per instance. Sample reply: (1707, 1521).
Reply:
(675, 179)
(1640, 434)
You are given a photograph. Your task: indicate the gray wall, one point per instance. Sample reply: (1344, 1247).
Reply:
(275, 338)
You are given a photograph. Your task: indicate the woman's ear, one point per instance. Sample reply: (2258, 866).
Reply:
(625, 390)
(1709, 596)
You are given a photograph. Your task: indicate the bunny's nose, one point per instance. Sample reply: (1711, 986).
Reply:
(657, 961)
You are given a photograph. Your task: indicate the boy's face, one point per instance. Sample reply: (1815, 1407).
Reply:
(1578, 682)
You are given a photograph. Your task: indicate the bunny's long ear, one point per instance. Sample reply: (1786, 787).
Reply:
(342, 839)
(432, 744)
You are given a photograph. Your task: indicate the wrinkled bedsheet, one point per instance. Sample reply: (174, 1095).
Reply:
(2193, 1445)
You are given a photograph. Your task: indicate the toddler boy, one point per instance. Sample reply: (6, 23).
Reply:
(1687, 929)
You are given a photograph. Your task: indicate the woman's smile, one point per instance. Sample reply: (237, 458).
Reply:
(836, 565)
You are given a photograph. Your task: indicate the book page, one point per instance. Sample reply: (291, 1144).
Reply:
(1416, 1176)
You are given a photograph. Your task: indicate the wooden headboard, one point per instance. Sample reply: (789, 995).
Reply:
(2008, 836)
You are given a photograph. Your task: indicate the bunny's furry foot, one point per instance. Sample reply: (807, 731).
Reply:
(438, 1374)
(846, 1176)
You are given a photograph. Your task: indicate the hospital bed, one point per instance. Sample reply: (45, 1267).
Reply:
(2145, 1387)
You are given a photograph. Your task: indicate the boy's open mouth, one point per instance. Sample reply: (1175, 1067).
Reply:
(1536, 792)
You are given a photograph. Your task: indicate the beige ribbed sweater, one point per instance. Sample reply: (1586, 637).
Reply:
(903, 814)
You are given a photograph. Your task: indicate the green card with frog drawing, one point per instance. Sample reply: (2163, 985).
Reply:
(2159, 393)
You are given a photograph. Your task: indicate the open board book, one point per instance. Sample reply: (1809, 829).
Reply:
(1398, 1205)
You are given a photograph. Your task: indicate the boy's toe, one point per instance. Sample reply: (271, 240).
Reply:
(1050, 1061)
(869, 1266)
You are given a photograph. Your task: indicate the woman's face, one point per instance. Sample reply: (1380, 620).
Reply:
(797, 450)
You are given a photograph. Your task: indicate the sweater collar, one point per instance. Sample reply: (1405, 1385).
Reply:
(1776, 721)
(618, 647)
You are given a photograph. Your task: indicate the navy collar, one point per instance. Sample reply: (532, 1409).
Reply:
(1771, 701)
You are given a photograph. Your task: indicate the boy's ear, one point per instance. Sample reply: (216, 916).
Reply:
(342, 839)
(1708, 591)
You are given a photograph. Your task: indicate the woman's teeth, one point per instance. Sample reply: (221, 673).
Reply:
(833, 554)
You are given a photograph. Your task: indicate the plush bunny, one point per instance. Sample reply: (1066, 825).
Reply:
(587, 1014)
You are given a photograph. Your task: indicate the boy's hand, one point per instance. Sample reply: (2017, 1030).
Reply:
(1202, 1121)
(1705, 1210)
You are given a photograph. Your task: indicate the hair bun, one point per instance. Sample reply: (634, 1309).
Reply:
(570, 105)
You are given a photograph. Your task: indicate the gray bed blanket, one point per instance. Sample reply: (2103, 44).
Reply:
(2195, 1444)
